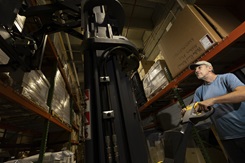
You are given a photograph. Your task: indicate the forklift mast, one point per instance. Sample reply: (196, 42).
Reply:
(113, 128)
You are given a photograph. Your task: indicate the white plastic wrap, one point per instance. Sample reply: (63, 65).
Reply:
(155, 79)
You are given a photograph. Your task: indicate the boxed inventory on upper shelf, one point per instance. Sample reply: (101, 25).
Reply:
(155, 79)
(144, 67)
(58, 157)
(35, 87)
(194, 31)
(60, 105)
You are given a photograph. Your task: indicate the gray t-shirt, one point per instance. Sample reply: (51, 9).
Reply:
(229, 119)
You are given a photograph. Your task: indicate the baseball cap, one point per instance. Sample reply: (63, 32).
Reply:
(194, 65)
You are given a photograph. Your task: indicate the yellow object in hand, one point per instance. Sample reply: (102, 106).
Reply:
(196, 105)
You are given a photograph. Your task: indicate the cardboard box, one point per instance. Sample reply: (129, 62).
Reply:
(187, 38)
(221, 19)
(144, 67)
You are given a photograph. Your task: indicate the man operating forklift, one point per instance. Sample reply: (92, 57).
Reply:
(226, 94)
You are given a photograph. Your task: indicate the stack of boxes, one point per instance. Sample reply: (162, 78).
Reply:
(59, 46)
(35, 87)
(61, 100)
(156, 78)
(49, 157)
(144, 67)
(194, 31)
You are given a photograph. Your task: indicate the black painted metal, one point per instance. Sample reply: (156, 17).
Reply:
(116, 133)
(138, 90)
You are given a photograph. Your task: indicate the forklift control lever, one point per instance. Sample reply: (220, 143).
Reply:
(194, 117)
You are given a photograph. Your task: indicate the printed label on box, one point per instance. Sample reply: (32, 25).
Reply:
(206, 42)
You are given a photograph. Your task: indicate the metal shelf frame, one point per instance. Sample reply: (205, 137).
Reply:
(8, 93)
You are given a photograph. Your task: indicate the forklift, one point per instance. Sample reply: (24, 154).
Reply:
(176, 140)
(113, 129)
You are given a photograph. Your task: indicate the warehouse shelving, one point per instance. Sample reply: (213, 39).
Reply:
(46, 129)
(56, 58)
(21, 115)
(22, 102)
(226, 56)
(52, 55)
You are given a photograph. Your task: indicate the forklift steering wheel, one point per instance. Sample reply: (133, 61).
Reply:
(194, 117)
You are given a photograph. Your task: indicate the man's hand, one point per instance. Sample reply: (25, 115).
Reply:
(183, 111)
(195, 105)
(205, 105)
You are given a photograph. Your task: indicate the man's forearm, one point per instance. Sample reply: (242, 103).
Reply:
(233, 97)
